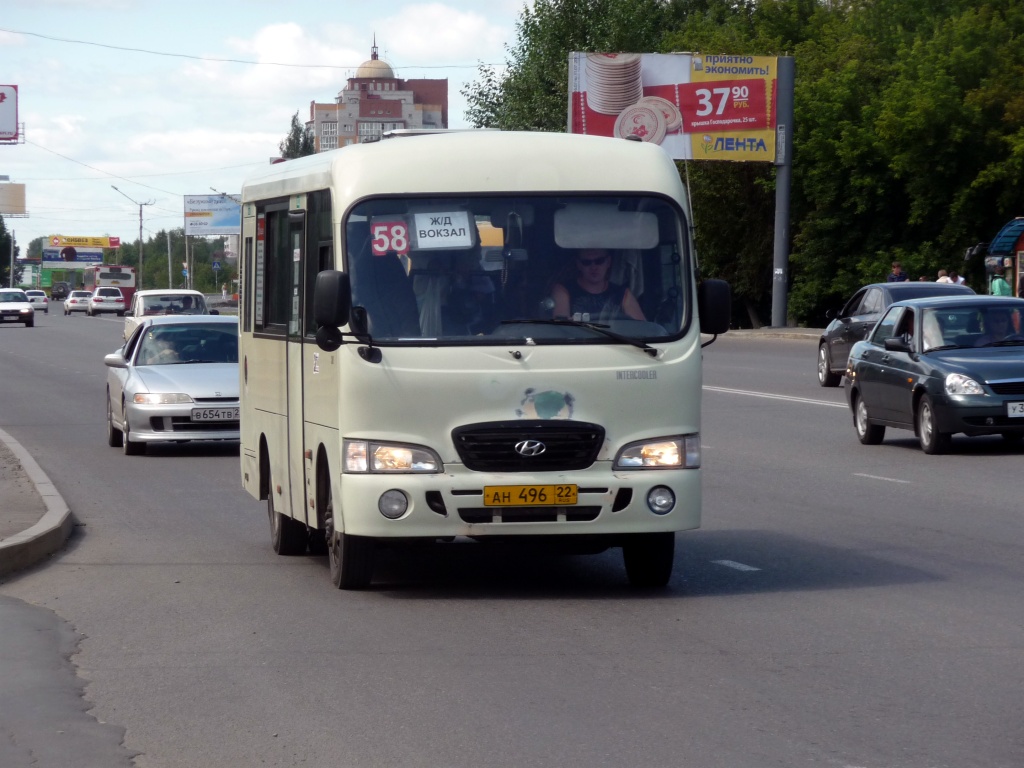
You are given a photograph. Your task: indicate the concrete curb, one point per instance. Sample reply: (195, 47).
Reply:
(51, 532)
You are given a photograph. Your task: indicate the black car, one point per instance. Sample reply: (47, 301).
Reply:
(60, 290)
(940, 366)
(859, 315)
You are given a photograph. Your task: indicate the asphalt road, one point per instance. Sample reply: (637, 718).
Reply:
(843, 605)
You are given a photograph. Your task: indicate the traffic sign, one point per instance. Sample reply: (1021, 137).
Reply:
(216, 266)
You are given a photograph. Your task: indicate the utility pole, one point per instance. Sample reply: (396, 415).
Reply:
(10, 281)
(140, 229)
(169, 283)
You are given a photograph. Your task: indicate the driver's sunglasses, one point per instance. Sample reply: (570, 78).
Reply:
(592, 262)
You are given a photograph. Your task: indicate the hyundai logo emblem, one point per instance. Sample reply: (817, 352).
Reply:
(530, 447)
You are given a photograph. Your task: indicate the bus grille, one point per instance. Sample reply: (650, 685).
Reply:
(491, 446)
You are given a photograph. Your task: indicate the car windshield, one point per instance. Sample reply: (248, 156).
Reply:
(972, 326)
(551, 269)
(12, 297)
(191, 343)
(172, 304)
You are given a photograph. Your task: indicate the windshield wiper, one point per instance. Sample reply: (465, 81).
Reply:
(1005, 343)
(947, 346)
(604, 330)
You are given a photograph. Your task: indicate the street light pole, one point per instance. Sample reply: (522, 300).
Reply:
(140, 229)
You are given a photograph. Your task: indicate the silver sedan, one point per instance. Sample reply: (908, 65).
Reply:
(175, 379)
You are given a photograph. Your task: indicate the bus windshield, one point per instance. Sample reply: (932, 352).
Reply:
(552, 269)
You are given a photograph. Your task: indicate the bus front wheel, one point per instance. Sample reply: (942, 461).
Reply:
(649, 558)
(351, 556)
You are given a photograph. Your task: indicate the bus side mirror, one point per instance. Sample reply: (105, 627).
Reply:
(714, 305)
(332, 302)
(332, 298)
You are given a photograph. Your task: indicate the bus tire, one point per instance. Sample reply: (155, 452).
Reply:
(351, 557)
(287, 536)
(649, 558)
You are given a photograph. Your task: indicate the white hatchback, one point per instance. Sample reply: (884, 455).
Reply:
(106, 299)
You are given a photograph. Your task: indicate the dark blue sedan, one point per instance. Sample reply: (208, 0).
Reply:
(941, 366)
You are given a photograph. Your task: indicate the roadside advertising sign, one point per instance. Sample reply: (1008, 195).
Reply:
(60, 241)
(71, 257)
(8, 113)
(696, 106)
(212, 215)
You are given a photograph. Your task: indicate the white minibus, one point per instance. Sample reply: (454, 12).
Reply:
(483, 334)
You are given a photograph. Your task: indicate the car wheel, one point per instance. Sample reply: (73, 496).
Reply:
(115, 437)
(825, 376)
(30, 323)
(88, 313)
(932, 440)
(351, 557)
(129, 447)
(120, 314)
(287, 536)
(867, 433)
(649, 558)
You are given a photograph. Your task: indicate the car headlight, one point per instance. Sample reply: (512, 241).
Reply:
(156, 398)
(958, 384)
(368, 456)
(662, 453)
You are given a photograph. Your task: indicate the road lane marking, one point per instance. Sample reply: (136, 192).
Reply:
(770, 396)
(880, 477)
(735, 565)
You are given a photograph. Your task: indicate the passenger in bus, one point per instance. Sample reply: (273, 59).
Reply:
(591, 296)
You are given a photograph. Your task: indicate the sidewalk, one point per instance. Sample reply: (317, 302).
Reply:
(34, 519)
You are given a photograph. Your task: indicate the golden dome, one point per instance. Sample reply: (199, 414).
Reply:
(375, 68)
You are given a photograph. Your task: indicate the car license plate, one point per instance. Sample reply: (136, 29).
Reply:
(529, 495)
(1015, 410)
(214, 414)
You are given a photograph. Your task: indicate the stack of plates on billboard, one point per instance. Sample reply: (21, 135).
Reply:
(613, 81)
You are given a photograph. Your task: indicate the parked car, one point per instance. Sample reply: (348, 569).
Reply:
(15, 307)
(940, 366)
(77, 301)
(39, 300)
(60, 290)
(175, 379)
(858, 316)
(106, 299)
(166, 302)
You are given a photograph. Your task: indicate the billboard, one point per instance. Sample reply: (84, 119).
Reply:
(212, 215)
(71, 257)
(59, 241)
(12, 199)
(697, 107)
(8, 113)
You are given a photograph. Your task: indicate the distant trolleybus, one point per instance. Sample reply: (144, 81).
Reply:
(121, 277)
(474, 334)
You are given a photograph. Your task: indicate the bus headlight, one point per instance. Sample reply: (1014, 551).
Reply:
(158, 398)
(681, 452)
(368, 456)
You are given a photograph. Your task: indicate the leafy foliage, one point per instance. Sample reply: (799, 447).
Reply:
(298, 142)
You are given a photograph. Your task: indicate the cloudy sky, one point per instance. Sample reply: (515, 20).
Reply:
(164, 99)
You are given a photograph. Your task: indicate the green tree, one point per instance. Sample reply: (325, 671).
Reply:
(5, 258)
(532, 93)
(298, 142)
